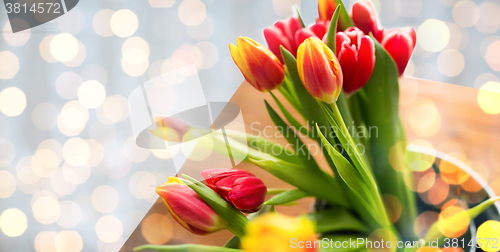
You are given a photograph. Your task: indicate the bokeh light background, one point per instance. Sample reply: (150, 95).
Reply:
(71, 177)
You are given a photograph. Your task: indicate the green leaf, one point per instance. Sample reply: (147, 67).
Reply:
(286, 197)
(302, 152)
(345, 19)
(274, 191)
(378, 103)
(336, 219)
(185, 248)
(234, 242)
(291, 98)
(237, 221)
(352, 178)
(300, 17)
(302, 129)
(331, 34)
(312, 181)
(434, 232)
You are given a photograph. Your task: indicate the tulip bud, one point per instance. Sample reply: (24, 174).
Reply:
(356, 54)
(319, 70)
(326, 8)
(278, 232)
(238, 187)
(400, 43)
(317, 30)
(260, 66)
(283, 33)
(365, 19)
(189, 209)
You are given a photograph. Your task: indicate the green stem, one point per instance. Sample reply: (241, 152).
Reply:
(185, 248)
(360, 163)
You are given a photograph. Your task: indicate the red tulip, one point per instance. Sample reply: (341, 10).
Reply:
(400, 43)
(282, 33)
(365, 19)
(356, 54)
(240, 188)
(319, 70)
(260, 66)
(189, 209)
(317, 30)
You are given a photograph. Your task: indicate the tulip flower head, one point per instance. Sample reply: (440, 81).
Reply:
(278, 233)
(356, 54)
(317, 30)
(240, 188)
(189, 209)
(319, 70)
(283, 34)
(365, 19)
(326, 8)
(259, 65)
(400, 43)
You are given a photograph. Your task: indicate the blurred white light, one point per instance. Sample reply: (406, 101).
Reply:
(91, 94)
(135, 153)
(109, 229)
(192, 12)
(71, 214)
(124, 23)
(142, 185)
(433, 35)
(64, 47)
(451, 62)
(12, 101)
(79, 58)
(9, 65)
(101, 22)
(68, 241)
(13, 222)
(492, 58)
(105, 199)
(161, 3)
(72, 119)
(76, 151)
(46, 209)
(44, 49)
(45, 241)
(466, 13)
(76, 174)
(18, 38)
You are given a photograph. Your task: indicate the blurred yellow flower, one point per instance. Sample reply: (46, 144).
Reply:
(488, 234)
(278, 233)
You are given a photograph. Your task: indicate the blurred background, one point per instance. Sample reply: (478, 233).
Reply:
(71, 176)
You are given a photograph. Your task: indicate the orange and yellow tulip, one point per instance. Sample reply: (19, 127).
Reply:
(326, 8)
(258, 64)
(319, 70)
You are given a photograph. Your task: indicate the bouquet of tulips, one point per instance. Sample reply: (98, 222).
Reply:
(340, 75)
